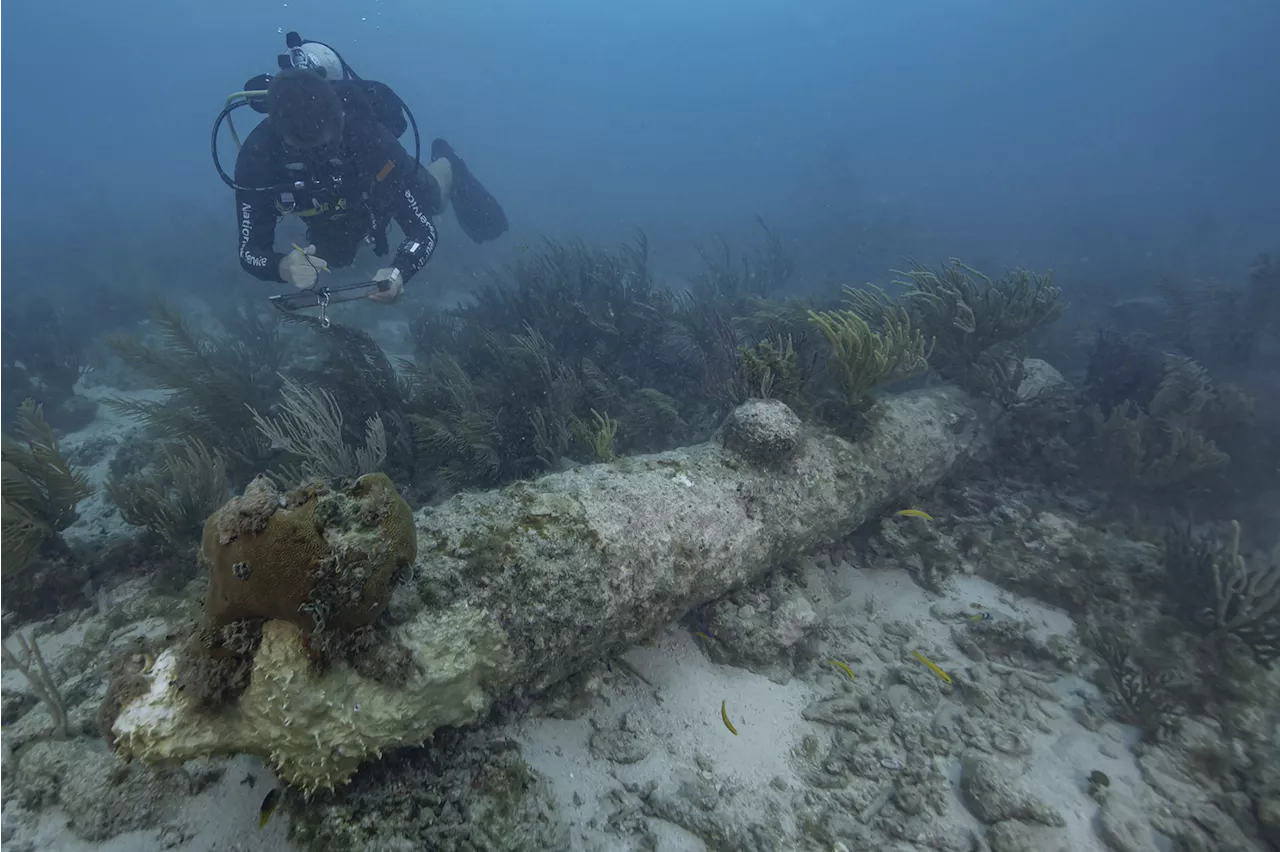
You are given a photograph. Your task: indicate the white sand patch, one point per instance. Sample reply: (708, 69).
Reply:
(98, 519)
(682, 721)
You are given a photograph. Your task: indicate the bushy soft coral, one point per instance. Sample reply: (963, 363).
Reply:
(966, 312)
(41, 489)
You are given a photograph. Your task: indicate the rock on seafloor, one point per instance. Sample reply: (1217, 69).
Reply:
(516, 589)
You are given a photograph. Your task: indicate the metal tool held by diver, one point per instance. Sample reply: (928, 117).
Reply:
(322, 297)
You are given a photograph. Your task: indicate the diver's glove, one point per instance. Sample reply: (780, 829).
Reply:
(395, 285)
(301, 267)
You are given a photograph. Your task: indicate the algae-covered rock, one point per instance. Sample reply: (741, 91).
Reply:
(1123, 826)
(514, 590)
(996, 790)
(716, 814)
(102, 796)
(767, 627)
(1014, 836)
(1040, 379)
(627, 744)
(467, 792)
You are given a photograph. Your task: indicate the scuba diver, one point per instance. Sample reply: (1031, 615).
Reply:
(328, 151)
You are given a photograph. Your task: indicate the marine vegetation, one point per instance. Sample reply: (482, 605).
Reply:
(508, 384)
(43, 358)
(309, 425)
(996, 374)
(964, 311)
(216, 381)
(30, 661)
(586, 303)
(601, 434)
(728, 310)
(41, 489)
(772, 369)
(862, 358)
(1149, 452)
(505, 383)
(1169, 434)
(1220, 591)
(1142, 688)
(760, 273)
(1122, 368)
(483, 432)
(1220, 325)
(364, 386)
(174, 497)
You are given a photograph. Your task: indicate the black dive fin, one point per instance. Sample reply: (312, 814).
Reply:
(479, 213)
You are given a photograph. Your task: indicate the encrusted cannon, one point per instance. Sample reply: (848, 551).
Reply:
(515, 589)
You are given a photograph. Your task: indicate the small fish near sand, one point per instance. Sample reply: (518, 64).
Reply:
(914, 513)
(844, 667)
(933, 667)
(724, 717)
(269, 805)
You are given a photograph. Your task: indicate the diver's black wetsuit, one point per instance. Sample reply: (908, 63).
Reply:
(379, 181)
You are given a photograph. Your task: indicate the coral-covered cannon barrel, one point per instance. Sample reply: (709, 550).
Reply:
(512, 590)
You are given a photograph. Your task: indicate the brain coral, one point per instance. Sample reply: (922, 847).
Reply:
(322, 559)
